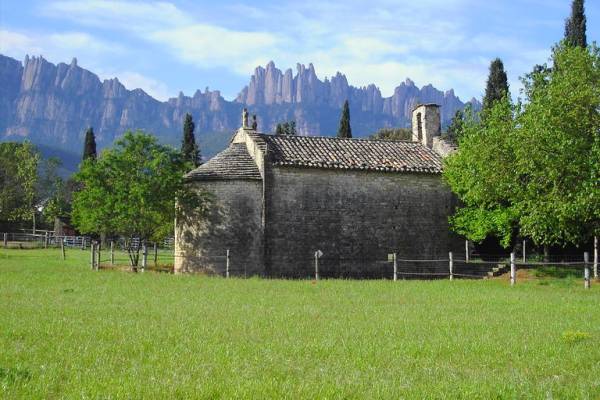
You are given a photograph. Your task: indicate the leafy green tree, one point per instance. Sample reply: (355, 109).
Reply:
(89, 147)
(575, 25)
(533, 170)
(497, 84)
(189, 148)
(131, 190)
(345, 131)
(18, 181)
(392, 134)
(557, 151)
(53, 191)
(481, 173)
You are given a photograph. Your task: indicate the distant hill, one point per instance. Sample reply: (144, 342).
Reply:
(52, 105)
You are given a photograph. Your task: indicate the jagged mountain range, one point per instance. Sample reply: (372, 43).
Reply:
(52, 105)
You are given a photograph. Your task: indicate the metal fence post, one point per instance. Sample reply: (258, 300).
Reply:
(227, 265)
(155, 254)
(513, 270)
(524, 253)
(112, 253)
(99, 246)
(46, 240)
(5, 240)
(92, 255)
(62, 248)
(318, 254)
(395, 266)
(466, 250)
(451, 265)
(586, 270)
(595, 257)
(144, 256)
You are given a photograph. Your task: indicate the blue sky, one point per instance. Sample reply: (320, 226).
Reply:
(171, 46)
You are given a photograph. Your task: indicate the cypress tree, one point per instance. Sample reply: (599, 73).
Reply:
(345, 131)
(497, 84)
(89, 146)
(292, 128)
(575, 25)
(279, 130)
(189, 148)
(456, 127)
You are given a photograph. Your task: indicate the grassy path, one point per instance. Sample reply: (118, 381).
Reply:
(68, 332)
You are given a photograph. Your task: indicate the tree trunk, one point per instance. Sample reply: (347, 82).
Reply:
(134, 255)
(546, 253)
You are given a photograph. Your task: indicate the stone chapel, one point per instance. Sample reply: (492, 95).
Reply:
(277, 199)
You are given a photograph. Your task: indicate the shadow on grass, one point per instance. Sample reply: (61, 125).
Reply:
(557, 272)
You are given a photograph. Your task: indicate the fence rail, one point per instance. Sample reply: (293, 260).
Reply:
(161, 256)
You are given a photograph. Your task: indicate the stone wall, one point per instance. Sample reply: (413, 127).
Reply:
(356, 219)
(234, 223)
(443, 147)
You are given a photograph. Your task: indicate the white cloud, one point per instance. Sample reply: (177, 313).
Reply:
(133, 80)
(129, 15)
(16, 44)
(56, 46)
(209, 46)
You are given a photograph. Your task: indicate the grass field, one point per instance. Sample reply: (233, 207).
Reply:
(69, 332)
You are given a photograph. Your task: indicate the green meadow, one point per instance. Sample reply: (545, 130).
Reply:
(69, 332)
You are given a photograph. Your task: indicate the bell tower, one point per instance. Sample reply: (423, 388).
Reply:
(426, 123)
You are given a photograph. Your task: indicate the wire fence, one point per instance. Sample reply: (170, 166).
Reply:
(132, 253)
(22, 240)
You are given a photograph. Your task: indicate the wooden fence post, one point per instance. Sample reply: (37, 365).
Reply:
(466, 250)
(112, 253)
(144, 256)
(155, 254)
(92, 255)
(451, 265)
(98, 248)
(595, 257)
(395, 266)
(318, 254)
(62, 248)
(524, 253)
(5, 240)
(586, 270)
(83, 243)
(227, 265)
(513, 270)
(46, 240)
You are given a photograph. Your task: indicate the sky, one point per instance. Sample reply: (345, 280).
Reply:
(165, 47)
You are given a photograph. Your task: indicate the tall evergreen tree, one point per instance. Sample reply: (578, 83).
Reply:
(279, 129)
(345, 131)
(456, 127)
(575, 25)
(497, 84)
(189, 148)
(286, 128)
(89, 147)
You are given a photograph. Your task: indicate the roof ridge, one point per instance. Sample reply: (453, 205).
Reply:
(361, 139)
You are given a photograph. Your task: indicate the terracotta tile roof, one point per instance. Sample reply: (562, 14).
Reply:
(232, 163)
(354, 154)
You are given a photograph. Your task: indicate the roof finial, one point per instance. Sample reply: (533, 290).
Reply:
(245, 118)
